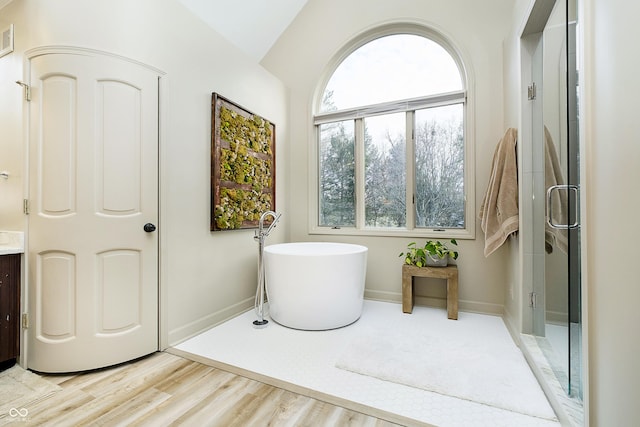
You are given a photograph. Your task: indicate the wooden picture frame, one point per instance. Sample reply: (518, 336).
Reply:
(243, 166)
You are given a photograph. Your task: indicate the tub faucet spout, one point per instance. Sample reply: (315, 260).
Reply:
(261, 233)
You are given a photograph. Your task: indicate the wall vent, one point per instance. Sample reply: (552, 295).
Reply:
(6, 40)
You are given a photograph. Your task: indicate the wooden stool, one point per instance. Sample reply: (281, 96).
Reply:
(449, 272)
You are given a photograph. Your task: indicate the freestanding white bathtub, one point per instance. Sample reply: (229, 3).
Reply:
(315, 285)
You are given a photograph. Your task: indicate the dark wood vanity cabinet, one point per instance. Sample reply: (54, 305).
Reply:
(9, 307)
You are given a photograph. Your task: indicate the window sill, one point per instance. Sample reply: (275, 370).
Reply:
(387, 232)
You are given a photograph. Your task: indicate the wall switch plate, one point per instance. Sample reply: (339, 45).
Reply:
(6, 40)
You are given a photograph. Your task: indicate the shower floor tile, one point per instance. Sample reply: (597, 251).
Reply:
(304, 362)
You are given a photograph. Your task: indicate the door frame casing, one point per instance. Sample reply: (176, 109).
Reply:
(25, 283)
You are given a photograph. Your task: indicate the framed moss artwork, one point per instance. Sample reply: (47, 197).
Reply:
(243, 166)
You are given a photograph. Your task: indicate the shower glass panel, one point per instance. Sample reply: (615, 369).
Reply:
(557, 322)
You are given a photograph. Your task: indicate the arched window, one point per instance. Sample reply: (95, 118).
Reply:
(392, 146)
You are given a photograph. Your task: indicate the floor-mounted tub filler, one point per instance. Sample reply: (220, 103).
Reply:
(315, 285)
(260, 236)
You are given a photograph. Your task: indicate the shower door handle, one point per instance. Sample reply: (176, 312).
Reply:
(569, 189)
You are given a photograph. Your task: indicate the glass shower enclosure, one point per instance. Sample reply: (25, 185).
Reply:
(555, 300)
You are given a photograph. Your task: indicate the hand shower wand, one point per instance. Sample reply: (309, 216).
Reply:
(260, 235)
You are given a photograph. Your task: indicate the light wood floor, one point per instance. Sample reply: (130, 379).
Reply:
(165, 389)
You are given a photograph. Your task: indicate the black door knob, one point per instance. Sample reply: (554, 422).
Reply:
(149, 228)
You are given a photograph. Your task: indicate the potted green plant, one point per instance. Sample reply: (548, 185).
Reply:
(433, 254)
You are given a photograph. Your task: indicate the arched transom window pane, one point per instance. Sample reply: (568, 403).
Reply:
(391, 68)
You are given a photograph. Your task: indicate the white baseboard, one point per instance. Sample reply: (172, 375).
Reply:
(463, 305)
(183, 333)
(557, 317)
(513, 329)
(383, 296)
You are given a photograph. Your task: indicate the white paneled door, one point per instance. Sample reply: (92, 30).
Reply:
(93, 195)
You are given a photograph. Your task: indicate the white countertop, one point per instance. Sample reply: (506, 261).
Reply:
(11, 242)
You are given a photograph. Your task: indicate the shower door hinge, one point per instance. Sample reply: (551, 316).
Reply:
(25, 320)
(25, 206)
(531, 91)
(533, 298)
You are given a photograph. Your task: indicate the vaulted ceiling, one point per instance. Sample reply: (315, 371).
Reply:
(251, 25)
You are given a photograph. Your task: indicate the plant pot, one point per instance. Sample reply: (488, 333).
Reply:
(436, 261)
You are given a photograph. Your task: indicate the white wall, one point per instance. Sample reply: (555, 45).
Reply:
(300, 59)
(611, 204)
(11, 148)
(514, 295)
(205, 276)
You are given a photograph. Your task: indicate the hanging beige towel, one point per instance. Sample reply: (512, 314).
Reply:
(499, 210)
(553, 176)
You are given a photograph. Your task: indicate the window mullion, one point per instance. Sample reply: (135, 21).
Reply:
(410, 172)
(437, 100)
(360, 173)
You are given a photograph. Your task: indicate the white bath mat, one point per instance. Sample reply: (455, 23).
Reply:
(475, 368)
